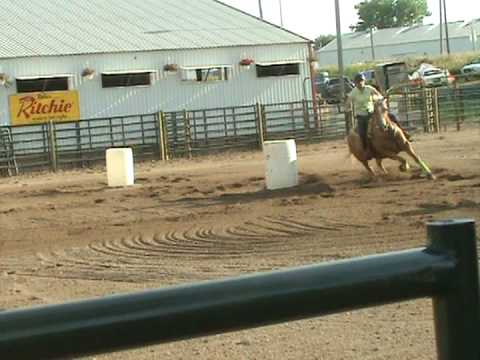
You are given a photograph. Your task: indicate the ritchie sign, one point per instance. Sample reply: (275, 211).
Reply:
(39, 108)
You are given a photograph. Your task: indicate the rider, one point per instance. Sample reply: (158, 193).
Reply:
(362, 97)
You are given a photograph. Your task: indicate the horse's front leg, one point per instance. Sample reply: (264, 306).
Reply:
(409, 150)
(404, 166)
(381, 167)
(368, 167)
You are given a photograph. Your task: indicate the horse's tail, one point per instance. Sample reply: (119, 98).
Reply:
(348, 140)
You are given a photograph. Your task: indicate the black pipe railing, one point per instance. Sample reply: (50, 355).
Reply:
(445, 270)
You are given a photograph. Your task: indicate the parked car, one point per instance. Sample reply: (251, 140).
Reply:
(332, 90)
(321, 81)
(429, 75)
(471, 69)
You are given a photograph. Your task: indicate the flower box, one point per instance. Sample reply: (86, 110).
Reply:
(170, 67)
(88, 73)
(246, 62)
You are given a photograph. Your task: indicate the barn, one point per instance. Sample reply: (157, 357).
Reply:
(65, 61)
(401, 42)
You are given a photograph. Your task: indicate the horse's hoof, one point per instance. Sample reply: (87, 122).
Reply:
(404, 167)
(430, 176)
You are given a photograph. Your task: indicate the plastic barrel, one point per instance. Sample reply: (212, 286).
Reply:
(281, 170)
(120, 167)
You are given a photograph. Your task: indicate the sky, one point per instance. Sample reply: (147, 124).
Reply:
(311, 18)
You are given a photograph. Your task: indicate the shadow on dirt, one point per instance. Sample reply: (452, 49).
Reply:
(432, 208)
(308, 185)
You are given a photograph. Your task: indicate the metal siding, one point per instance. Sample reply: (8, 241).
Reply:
(360, 55)
(390, 43)
(168, 92)
(57, 27)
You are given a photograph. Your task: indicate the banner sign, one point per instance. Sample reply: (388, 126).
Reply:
(39, 108)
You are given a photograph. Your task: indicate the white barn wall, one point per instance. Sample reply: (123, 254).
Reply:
(167, 92)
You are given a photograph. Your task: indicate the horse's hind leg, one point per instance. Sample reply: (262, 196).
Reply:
(368, 167)
(381, 167)
(409, 150)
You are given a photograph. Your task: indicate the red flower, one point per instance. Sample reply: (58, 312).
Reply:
(246, 62)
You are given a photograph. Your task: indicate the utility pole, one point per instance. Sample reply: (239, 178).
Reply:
(474, 35)
(340, 65)
(260, 8)
(371, 43)
(339, 49)
(446, 26)
(441, 26)
(281, 12)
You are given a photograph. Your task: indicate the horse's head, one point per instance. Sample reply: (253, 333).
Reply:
(380, 110)
(380, 106)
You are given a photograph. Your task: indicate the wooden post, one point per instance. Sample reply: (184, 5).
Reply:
(292, 115)
(52, 144)
(259, 118)
(306, 119)
(161, 142)
(78, 138)
(234, 120)
(112, 141)
(225, 124)
(188, 137)
(165, 135)
(205, 127)
(123, 131)
(436, 110)
(455, 106)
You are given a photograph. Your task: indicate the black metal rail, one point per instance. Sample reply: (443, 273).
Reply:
(445, 270)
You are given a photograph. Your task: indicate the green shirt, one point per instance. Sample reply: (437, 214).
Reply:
(363, 99)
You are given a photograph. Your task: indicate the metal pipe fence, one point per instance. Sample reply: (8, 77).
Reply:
(190, 133)
(446, 270)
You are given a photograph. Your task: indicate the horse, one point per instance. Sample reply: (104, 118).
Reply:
(387, 139)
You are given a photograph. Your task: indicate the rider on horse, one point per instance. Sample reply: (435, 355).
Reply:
(362, 97)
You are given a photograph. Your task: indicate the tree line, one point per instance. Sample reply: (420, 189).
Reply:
(382, 14)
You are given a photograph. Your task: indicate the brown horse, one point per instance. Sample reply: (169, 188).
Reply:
(386, 141)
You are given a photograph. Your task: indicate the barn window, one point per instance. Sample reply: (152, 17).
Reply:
(124, 79)
(207, 73)
(277, 69)
(43, 83)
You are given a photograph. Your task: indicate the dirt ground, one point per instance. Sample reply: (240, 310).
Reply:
(68, 236)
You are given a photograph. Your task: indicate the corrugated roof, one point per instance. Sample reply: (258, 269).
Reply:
(402, 35)
(59, 27)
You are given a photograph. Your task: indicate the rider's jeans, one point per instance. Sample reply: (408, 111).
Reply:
(362, 124)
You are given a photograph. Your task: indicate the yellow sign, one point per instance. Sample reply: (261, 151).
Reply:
(38, 108)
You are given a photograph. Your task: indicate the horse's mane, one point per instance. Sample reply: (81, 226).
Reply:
(380, 109)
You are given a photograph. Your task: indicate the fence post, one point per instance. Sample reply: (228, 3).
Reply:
(188, 136)
(459, 111)
(306, 118)
(457, 311)
(436, 110)
(259, 119)
(165, 135)
(161, 141)
(52, 145)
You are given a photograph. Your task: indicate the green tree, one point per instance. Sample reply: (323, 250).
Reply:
(323, 40)
(381, 14)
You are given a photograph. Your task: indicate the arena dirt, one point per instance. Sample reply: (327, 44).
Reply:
(68, 236)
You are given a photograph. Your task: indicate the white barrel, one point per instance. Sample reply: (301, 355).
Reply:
(281, 170)
(120, 167)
